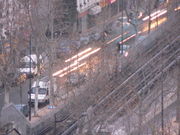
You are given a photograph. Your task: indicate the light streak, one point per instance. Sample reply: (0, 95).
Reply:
(126, 54)
(140, 15)
(115, 38)
(87, 55)
(127, 38)
(162, 13)
(77, 55)
(155, 24)
(64, 69)
(176, 9)
(76, 62)
(75, 68)
(153, 14)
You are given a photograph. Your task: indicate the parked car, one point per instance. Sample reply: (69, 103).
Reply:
(43, 91)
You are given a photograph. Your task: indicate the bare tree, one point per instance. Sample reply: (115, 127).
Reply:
(12, 44)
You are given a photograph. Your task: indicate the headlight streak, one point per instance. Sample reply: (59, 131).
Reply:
(155, 15)
(76, 62)
(154, 24)
(79, 54)
(75, 68)
(115, 38)
(127, 38)
(162, 13)
(64, 69)
(176, 9)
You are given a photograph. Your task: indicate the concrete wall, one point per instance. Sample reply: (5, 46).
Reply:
(10, 114)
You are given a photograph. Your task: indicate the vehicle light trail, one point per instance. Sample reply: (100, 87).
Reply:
(126, 54)
(176, 9)
(115, 38)
(64, 69)
(75, 68)
(153, 14)
(140, 15)
(127, 38)
(76, 62)
(155, 24)
(87, 55)
(162, 13)
(79, 54)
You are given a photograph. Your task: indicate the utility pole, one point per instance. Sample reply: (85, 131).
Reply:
(122, 31)
(51, 90)
(30, 81)
(178, 95)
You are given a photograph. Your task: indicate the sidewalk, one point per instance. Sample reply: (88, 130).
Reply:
(43, 114)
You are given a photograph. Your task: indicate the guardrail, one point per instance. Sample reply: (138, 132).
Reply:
(126, 91)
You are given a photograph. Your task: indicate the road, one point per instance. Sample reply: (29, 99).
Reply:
(75, 62)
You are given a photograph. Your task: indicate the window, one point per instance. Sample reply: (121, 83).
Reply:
(40, 91)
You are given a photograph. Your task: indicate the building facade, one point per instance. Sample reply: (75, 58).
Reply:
(81, 15)
(91, 12)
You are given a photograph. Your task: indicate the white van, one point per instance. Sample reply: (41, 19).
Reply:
(43, 91)
(27, 62)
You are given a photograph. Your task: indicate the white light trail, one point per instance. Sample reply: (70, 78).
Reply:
(115, 38)
(79, 54)
(126, 54)
(76, 62)
(176, 9)
(127, 38)
(64, 69)
(153, 14)
(140, 15)
(162, 13)
(87, 55)
(155, 24)
(75, 68)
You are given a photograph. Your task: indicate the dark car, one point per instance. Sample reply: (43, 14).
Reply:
(23, 108)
